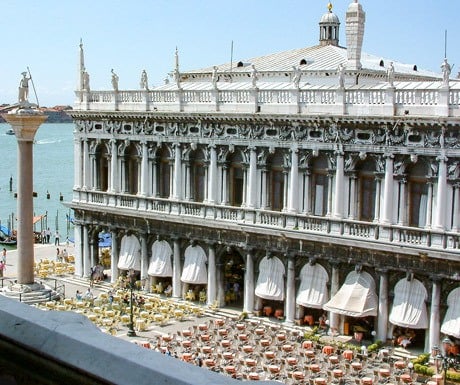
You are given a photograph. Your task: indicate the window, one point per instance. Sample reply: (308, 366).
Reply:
(131, 170)
(319, 184)
(417, 194)
(164, 173)
(102, 168)
(366, 190)
(275, 180)
(236, 179)
(197, 175)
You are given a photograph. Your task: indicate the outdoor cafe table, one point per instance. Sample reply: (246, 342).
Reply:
(328, 349)
(298, 375)
(291, 360)
(269, 354)
(384, 372)
(320, 381)
(254, 376)
(406, 378)
(250, 362)
(248, 348)
(287, 348)
(337, 373)
(348, 354)
(367, 381)
(307, 344)
(265, 342)
(207, 349)
(400, 364)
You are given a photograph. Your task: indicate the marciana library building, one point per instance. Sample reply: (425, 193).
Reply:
(320, 180)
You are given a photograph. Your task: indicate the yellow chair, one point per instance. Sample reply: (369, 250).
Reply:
(203, 297)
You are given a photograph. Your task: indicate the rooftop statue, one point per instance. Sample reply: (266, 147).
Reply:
(144, 81)
(297, 76)
(214, 77)
(341, 74)
(254, 76)
(115, 79)
(24, 88)
(86, 80)
(391, 74)
(446, 70)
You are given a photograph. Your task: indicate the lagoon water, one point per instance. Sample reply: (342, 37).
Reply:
(53, 172)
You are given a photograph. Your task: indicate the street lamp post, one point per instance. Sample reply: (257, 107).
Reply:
(131, 279)
(441, 358)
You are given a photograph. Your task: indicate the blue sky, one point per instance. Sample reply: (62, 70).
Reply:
(130, 36)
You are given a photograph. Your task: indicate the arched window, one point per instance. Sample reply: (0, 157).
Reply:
(366, 190)
(102, 168)
(236, 179)
(197, 175)
(164, 173)
(275, 180)
(131, 176)
(319, 184)
(417, 194)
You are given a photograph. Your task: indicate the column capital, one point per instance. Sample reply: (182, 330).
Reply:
(382, 270)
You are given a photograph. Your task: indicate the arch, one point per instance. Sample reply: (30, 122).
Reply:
(233, 268)
(417, 193)
(236, 178)
(194, 270)
(382, 63)
(313, 291)
(270, 282)
(319, 185)
(303, 62)
(160, 260)
(409, 308)
(131, 169)
(366, 189)
(130, 253)
(275, 180)
(164, 172)
(102, 156)
(451, 323)
(197, 169)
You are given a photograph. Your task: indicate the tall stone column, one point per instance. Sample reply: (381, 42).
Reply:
(86, 165)
(339, 185)
(429, 205)
(352, 197)
(289, 306)
(329, 194)
(263, 189)
(114, 257)
(402, 221)
(176, 282)
(212, 174)
(86, 253)
(378, 194)
(144, 190)
(224, 185)
(334, 317)
(212, 273)
(144, 257)
(441, 198)
(293, 205)
(435, 323)
(78, 250)
(77, 174)
(113, 167)
(388, 198)
(249, 284)
(177, 172)
(307, 192)
(252, 179)
(25, 123)
(456, 211)
(382, 322)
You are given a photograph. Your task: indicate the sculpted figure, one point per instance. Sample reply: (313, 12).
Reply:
(254, 76)
(446, 70)
(297, 76)
(144, 81)
(214, 77)
(391, 74)
(341, 73)
(114, 80)
(24, 88)
(85, 80)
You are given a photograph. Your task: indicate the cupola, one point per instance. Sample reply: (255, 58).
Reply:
(329, 28)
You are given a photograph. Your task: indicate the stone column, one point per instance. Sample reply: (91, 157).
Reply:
(285, 189)
(212, 174)
(441, 197)
(212, 273)
(329, 194)
(78, 251)
(224, 184)
(114, 257)
(352, 197)
(429, 204)
(387, 212)
(263, 188)
(245, 187)
(144, 257)
(252, 179)
(339, 185)
(402, 221)
(25, 123)
(144, 190)
(154, 178)
(378, 194)
(177, 172)
(289, 306)
(335, 285)
(456, 210)
(77, 168)
(382, 318)
(86, 253)
(293, 205)
(249, 284)
(114, 187)
(176, 282)
(435, 323)
(307, 192)
(86, 165)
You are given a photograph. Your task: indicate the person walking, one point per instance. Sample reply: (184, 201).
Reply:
(4, 256)
(56, 238)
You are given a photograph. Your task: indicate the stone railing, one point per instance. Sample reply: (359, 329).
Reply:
(424, 99)
(48, 346)
(414, 239)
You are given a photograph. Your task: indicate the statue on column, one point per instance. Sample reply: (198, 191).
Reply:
(215, 77)
(24, 88)
(297, 76)
(391, 74)
(254, 76)
(86, 80)
(144, 81)
(341, 74)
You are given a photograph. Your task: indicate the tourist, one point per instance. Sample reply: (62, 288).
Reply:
(56, 238)
(78, 295)
(4, 256)
(58, 255)
(2, 268)
(65, 255)
(43, 236)
(89, 294)
(48, 235)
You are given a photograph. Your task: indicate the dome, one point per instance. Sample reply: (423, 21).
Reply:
(329, 17)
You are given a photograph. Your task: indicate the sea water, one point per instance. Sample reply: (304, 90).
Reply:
(53, 174)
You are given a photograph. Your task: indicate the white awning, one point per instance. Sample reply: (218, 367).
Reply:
(130, 253)
(270, 283)
(160, 261)
(409, 309)
(313, 286)
(451, 323)
(194, 270)
(356, 297)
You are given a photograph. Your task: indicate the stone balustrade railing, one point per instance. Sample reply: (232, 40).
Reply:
(430, 99)
(413, 239)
